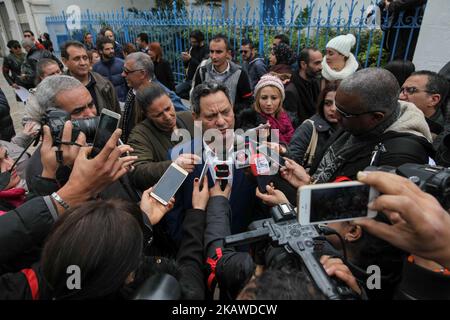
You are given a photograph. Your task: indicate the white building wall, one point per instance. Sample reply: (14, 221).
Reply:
(59, 6)
(433, 45)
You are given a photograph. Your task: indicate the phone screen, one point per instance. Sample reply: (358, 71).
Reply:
(339, 203)
(106, 127)
(203, 173)
(169, 183)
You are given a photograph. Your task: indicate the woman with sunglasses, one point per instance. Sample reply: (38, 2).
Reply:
(322, 125)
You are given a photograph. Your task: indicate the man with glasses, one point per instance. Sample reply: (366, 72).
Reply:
(12, 64)
(58, 92)
(376, 129)
(253, 64)
(138, 71)
(68, 94)
(75, 57)
(429, 92)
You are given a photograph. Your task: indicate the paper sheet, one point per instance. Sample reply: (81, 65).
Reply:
(22, 93)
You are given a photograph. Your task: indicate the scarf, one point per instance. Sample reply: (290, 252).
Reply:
(15, 197)
(351, 65)
(283, 124)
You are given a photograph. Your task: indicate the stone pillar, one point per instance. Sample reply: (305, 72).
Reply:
(433, 45)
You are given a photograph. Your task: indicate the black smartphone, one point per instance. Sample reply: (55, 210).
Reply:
(109, 121)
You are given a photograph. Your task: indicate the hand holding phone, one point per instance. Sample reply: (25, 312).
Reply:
(169, 183)
(109, 122)
(335, 202)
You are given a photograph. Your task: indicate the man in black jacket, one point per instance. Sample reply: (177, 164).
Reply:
(28, 225)
(34, 55)
(303, 90)
(396, 37)
(376, 128)
(191, 60)
(6, 123)
(429, 92)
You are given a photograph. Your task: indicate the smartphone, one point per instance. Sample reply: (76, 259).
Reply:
(335, 202)
(169, 183)
(203, 173)
(109, 121)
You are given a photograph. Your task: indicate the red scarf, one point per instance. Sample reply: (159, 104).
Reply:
(15, 197)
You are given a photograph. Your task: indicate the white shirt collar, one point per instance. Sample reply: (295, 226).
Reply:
(224, 72)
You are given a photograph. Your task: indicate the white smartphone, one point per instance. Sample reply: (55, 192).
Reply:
(203, 173)
(169, 183)
(335, 202)
(109, 121)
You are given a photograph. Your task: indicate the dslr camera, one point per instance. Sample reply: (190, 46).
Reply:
(56, 118)
(434, 180)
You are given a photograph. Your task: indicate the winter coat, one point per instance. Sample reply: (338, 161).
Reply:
(118, 50)
(236, 80)
(112, 70)
(198, 54)
(152, 146)
(26, 227)
(242, 199)
(406, 140)
(105, 93)
(233, 269)
(255, 69)
(29, 283)
(6, 123)
(283, 69)
(164, 74)
(13, 64)
(301, 99)
(29, 66)
(303, 134)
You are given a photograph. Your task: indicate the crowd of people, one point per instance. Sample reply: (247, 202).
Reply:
(329, 119)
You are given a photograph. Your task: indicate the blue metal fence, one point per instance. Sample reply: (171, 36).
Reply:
(304, 21)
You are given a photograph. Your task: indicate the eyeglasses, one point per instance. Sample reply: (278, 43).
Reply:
(352, 115)
(412, 90)
(131, 71)
(245, 51)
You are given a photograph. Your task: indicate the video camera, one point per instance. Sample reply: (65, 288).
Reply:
(434, 180)
(56, 118)
(283, 230)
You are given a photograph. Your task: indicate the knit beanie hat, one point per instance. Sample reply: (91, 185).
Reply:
(270, 80)
(342, 44)
(284, 54)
